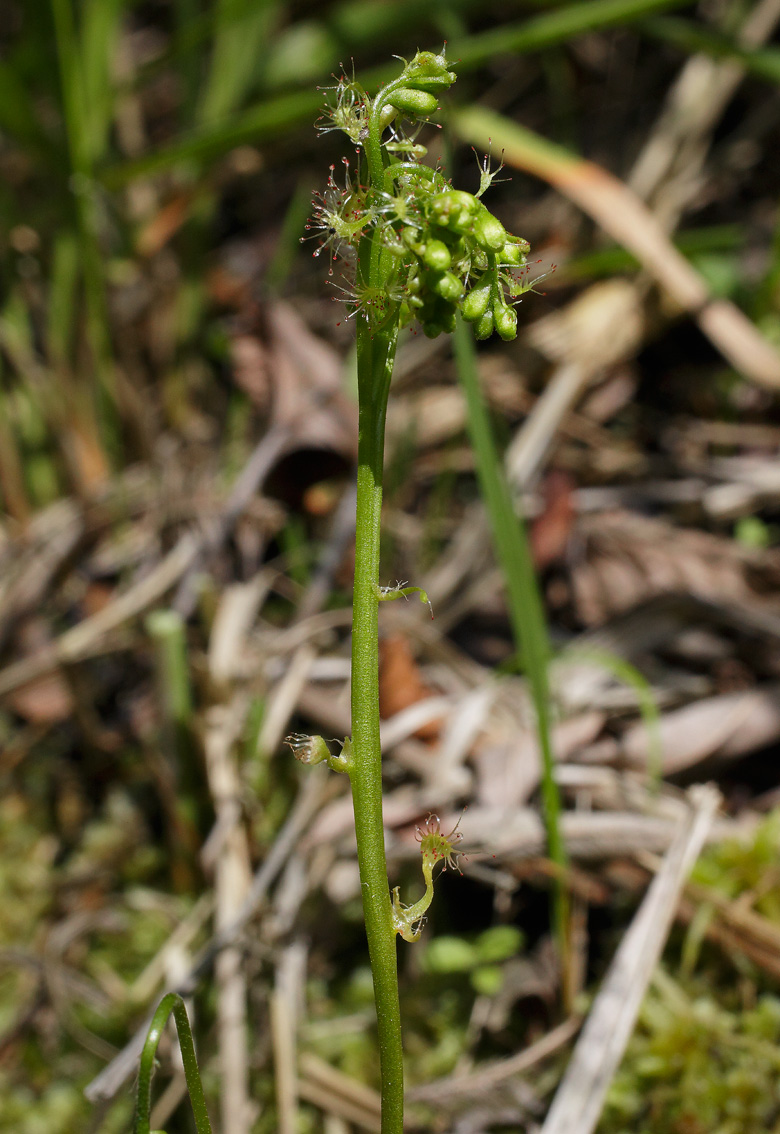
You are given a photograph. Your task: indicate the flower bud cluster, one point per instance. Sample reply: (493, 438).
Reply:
(437, 250)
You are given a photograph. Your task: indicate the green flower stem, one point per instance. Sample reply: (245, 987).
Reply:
(170, 1003)
(376, 352)
(375, 357)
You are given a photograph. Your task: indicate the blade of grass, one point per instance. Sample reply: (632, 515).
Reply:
(62, 293)
(168, 634)
(243, 32)
(554, 27)
(613, 261)
(191, 31)
(526, 614)
(83, 134)
(276, 116)
(61, 409)
(763, 62)
(171, 1003)
(100, 24)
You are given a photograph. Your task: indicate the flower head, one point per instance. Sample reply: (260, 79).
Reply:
(436, 846)
(340, 216)
(307, 749)
(426, 250)
(349, 111)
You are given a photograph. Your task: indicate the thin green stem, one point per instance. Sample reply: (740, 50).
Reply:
(376, 352)
(170, 1003)
(374, 147)
(74, 102)
(375, 357)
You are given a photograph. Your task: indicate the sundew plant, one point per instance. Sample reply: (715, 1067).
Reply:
(418, 251)
(414, 250)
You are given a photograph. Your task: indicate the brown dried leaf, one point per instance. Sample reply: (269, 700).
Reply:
(400, 683)
(47, 700)
(727, 726)
(627, 559)
(164, 225)
(251, 369)
(508, 771)
(551, 529)
(601, 326)
(307, 386)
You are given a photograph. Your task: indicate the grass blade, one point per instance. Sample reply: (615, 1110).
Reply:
(526, 613)
(275, 116)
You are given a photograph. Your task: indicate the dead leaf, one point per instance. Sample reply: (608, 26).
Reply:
(551, 529)
(47, 700)
(601, 326)
(164, 225)
(508, 771)
(727, 726)
(400, 683)
(251, 369)
(308, 394)
(627, 558)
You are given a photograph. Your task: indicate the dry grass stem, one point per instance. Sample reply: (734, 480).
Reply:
(578, 1102)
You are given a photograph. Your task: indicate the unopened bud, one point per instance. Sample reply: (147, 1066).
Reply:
(308, 749)
(418, 104)
(506, 322)
(449, 287)
(514, 252)
(489, 232)
(428, 72)
(437, 255)
(476, 302)
(484, 328)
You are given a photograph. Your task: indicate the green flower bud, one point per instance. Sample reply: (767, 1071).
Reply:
(308, 749)
(428, 72)
(437, 255)
(436, 315)
(514, 252)
(476, 302)
(506, 322)
(454, 209)
(448, 320)
(484, 328)
(387, 114)
(489, 232)
(418, 104)
(448, 287)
